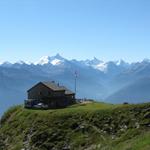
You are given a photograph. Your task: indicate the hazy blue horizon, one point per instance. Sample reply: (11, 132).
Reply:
(76, 29)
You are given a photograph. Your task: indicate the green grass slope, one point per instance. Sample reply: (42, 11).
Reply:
(94, 126)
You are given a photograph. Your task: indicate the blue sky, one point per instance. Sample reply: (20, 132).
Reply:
(107, 29)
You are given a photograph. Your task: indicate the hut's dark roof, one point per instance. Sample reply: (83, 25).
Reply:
(67, 91)
(55, 87)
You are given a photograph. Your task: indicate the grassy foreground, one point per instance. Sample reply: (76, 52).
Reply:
(94, 126)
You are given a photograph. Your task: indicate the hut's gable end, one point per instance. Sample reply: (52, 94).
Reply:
(39, 91)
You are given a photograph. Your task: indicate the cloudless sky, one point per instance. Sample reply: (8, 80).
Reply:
(107, 29)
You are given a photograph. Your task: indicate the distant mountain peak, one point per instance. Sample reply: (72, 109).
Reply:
(58, 56)
(20, 62)
(56, 62)
(101, 66)
(53, 60)
(121, 62)
(6, 64)
(43, 60)
(146, 60)
(95, 58)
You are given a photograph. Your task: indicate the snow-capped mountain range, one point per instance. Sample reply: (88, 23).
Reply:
(112, 81)
(59, 60)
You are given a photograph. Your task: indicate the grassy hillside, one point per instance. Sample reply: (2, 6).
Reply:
(95, 126)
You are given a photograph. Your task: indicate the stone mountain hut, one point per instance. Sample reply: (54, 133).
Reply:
(49, 94)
